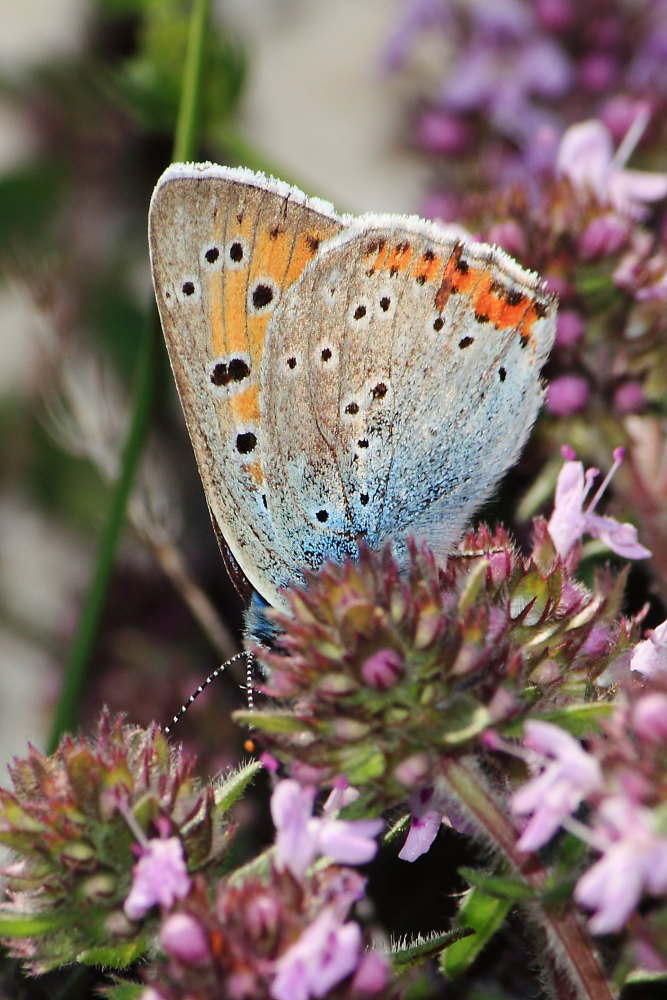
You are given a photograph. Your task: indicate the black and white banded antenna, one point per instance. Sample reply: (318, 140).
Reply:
(211, 677)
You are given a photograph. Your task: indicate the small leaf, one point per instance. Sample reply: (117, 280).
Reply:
(122, 991)
(25, 925)
(483, 914)
(498, 886)
(232, 788)
(363, 764)
(414, 953)
(116, 956)
(579, 720)
(270, 722)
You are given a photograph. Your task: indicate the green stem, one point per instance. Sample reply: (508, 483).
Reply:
(185, 147)
(575, 961)
(189, 113)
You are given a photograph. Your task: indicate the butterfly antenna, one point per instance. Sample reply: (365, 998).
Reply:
(249, 689)
(211, 677)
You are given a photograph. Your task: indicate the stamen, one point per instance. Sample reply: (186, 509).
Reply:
(631, 138)
(618, 455)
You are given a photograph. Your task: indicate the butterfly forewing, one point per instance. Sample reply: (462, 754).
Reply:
(226, 245)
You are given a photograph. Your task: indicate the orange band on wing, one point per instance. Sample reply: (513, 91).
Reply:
(245, 405)
(305, 248)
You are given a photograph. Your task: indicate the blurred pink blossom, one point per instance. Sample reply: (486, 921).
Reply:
(586, 156)
(650, 655)
(159, 876)
(300, 836)
(569, 521)
(634, 861)
(564, 782)
(326, 953)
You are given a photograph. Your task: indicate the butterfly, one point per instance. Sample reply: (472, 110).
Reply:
(342, 377)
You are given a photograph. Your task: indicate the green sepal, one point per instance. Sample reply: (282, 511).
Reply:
(463, 718)
(270, 722)
(116, 956)
(229, 791)
(397, 828)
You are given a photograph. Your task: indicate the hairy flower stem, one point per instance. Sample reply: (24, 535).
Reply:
(571, 947)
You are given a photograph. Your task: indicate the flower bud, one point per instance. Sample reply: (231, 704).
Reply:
(383, 669)
(184, 939)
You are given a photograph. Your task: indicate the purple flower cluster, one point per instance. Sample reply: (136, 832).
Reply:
(517, 73)
(289, 938)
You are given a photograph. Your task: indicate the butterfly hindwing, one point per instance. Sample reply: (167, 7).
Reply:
(400, 380)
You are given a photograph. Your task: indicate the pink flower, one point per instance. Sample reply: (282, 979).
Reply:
(426, 820)
(160, 876)
(629, 398)
(586, 156)
(649, 717)
(650, 655)
(569, 520)
(300, 836)
(567, 394)
(634, 861)
(604, 236)
(372, 974)
(326, 953)
(443, 132)
(569, 328)
(559, 789)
